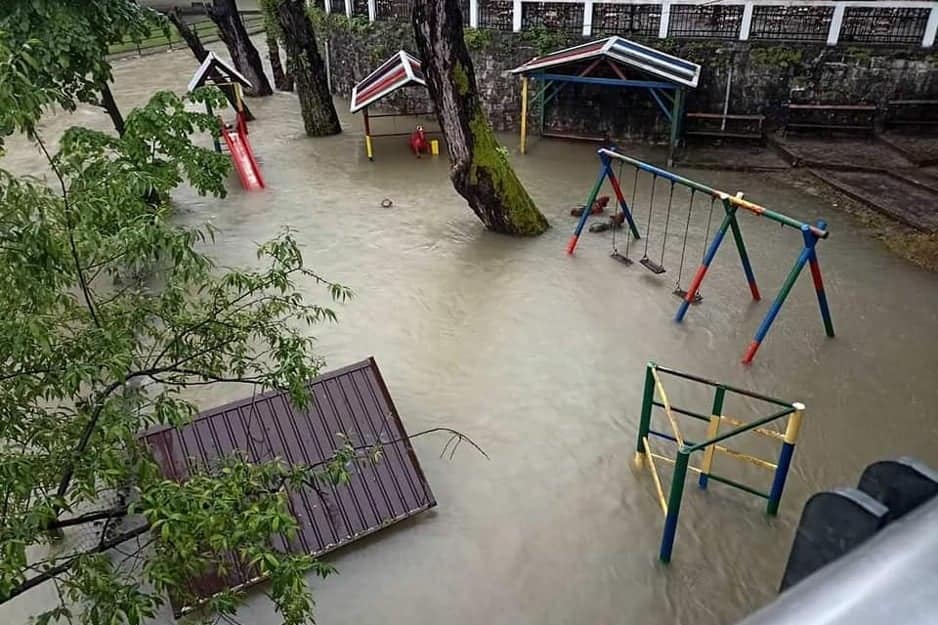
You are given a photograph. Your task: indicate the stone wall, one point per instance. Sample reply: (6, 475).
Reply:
(764, 77)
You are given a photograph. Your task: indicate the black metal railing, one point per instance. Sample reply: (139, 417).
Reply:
(495, 14)
(709, 21)
(563, 17)
(791, 23)
(360, 8)
(626, 19)
(883, 25)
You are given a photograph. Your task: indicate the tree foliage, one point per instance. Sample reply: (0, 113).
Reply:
(111, 314)
(65, 44)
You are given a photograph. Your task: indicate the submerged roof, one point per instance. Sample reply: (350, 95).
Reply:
(352, 402)
(400, 70)
(620, 50)
(211, 67)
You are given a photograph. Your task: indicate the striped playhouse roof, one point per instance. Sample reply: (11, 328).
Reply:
(213, 68)
(400, 70)
(671, 68)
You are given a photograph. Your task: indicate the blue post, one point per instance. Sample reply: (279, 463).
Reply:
(605, 169)
(810, 240)
(779, 299)
(784, 459)
(702, 270)
(674, 505)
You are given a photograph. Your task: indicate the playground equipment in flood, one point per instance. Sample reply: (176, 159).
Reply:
(811, 234)
(792, 412)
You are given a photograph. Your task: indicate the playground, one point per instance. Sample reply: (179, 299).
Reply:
(541, 357)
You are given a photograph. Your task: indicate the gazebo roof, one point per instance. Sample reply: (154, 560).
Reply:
(622, 51)
(211, 67)
(400, 70)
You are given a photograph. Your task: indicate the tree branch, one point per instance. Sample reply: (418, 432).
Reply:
(63, 567)
(112, 513)
(86, 292)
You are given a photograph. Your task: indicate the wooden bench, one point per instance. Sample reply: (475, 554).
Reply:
(831, 117)
(720, 126)
(911, 113)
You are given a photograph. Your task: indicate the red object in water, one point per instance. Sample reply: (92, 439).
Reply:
(418, 141)
(599, 205)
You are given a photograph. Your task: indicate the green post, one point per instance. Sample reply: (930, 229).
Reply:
(648, 396)
(674, 505)
(543, 106)
(741, 247)
(715, 414)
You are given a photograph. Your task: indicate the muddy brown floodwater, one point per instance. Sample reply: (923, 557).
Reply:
(539, 357)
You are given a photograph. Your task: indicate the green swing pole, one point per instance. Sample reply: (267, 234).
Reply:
(644, 423)
(741, 247)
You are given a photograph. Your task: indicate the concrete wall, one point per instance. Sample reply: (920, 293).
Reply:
(764, 76)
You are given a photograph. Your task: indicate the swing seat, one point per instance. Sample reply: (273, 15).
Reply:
(683, 295)
(622, 258)
(651, 265)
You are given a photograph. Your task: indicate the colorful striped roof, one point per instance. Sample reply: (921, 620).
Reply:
(620, 50)
(400, 70)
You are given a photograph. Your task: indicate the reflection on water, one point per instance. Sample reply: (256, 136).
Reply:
(539, 357)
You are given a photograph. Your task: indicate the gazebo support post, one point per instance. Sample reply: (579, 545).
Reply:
(524, 113)
(676, 114)
(368, 149)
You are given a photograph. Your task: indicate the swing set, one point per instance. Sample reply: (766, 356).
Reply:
(808, 255)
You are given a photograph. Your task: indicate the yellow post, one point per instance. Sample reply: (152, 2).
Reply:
(794, 424)
(368, 147)
(712, 430)
(524, 113)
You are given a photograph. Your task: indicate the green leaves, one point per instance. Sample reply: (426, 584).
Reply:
(112, 317)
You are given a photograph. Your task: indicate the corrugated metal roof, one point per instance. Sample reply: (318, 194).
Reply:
(214, 65)
(621, 50)
(400, 70)
(353, 401)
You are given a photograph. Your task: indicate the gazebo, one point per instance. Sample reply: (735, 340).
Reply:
(399, 71)
(612, 62)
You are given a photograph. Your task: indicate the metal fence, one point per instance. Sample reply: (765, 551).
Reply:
(879, 22)
(791, 23)
(160, 40)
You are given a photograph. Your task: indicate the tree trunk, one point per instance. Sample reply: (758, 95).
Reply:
(282, 81)
(309, 71)
(198, 50)
(480, 170)
(109, 105)
(246, 59)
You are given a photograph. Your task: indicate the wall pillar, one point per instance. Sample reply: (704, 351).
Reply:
(930, 29)
(587, 18)
(837, 21)
(746, 26)
(516, 16)
(665, 19)
(473, 13)
(372, 10)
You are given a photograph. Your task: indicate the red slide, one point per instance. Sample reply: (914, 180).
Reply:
(243, 157)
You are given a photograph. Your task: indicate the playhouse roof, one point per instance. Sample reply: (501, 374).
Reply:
(623, 51)
(400, 70)
(213, 66)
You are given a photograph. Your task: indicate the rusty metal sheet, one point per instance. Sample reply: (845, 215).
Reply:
(352, 401)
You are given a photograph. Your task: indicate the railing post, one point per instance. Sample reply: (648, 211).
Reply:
(516, 16)
(713, 428)
(674, 505)
(372, 10)
(665, 19)
(327, 4)
(931, 27)
(644, 422)
(784, 459)
(587, 18)
(348, 9)
(746, 26)
(833, 35)
(473, 13)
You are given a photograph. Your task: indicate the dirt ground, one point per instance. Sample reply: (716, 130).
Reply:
(919, 248)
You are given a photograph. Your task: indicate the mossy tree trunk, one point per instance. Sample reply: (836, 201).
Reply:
(309, 71)
(235, 36)
(480, 170)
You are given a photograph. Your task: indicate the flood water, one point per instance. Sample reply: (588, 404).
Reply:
(539, 357)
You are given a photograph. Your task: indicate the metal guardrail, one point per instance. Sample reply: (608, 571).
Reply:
(876, 22)
(159, 41)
